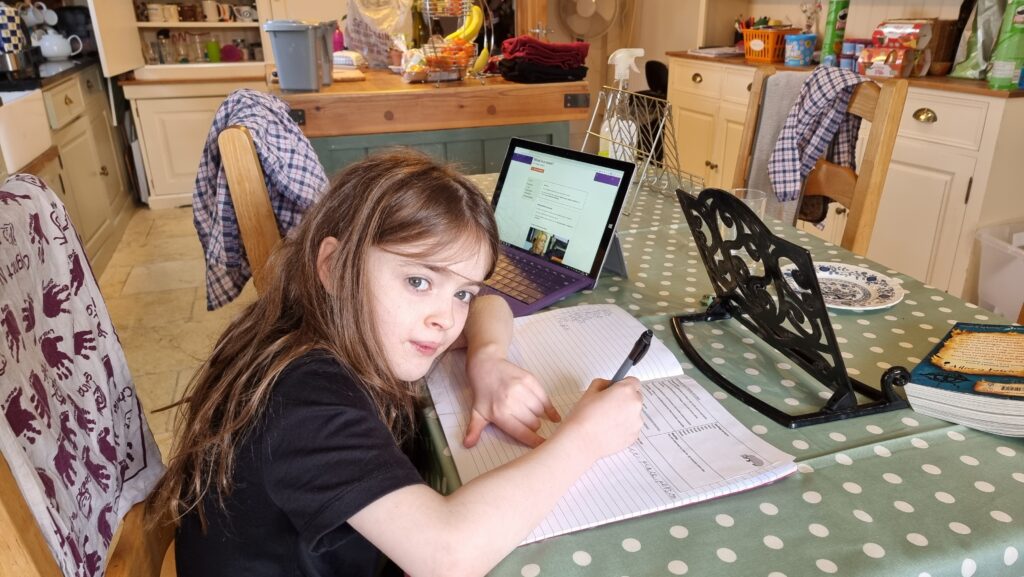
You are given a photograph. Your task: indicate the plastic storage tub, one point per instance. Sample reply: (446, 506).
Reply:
(296, 46)
(1001, 274)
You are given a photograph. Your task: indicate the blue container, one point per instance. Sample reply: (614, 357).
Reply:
(800, 49)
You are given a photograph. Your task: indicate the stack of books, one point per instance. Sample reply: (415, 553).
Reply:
(975, 377)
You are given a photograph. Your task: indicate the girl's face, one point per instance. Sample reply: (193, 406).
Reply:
(420, 304)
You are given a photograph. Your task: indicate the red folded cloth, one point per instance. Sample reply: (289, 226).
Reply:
(563, 55)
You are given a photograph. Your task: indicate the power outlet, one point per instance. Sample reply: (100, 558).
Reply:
(581, 100)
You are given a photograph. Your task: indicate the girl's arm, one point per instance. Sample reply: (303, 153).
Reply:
(469, 531)
(503, 393)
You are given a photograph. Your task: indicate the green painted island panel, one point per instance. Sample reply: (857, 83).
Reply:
(474, 150)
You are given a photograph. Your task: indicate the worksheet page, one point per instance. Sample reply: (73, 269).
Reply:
(690, 449)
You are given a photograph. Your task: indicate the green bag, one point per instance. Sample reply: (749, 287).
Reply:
(975, 51)
(1009, 53)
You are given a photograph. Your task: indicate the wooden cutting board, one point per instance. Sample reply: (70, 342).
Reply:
(347, 75)
(337, 76)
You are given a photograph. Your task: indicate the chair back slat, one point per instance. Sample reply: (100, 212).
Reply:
(257, 224)
(22, 547)
(864, 101)
(141, 549)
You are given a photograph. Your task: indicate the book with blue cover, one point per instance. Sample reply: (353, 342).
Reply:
(974, 376)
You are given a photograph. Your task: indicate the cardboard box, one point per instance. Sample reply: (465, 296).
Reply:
(899, 33)
(886, 62)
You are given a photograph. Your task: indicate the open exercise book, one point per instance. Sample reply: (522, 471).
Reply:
(690, 449)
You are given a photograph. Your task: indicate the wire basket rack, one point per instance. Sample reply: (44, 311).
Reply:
(437, 8)
(640, 130)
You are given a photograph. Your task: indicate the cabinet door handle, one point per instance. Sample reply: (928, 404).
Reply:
(750, 86)
(697, 78)
(104, 171)
(841, 210)
(712, 165)
(88, 84)
(68, 101)
(926, 115)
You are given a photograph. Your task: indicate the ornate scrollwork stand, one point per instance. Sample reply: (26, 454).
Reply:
(793, 321)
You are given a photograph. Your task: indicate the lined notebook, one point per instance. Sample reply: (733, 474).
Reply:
(690, 449)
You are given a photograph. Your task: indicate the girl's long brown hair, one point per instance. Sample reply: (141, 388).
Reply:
(400, 201)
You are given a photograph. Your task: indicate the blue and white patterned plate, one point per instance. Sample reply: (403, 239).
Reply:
(852, 288)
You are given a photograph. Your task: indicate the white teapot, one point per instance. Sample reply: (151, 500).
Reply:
(56, 47)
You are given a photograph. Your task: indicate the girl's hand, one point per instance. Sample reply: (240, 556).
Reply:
(507, 396)
(608, 417)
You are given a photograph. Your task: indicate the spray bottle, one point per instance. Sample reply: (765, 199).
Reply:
(618, 127)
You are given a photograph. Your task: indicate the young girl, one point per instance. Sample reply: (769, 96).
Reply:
(289, 459)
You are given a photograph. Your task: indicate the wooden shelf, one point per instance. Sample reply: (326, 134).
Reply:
(198, 24)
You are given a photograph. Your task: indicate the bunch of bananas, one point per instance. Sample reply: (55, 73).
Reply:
(471, 27)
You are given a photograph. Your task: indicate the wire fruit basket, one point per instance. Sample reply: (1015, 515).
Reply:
(458, 8)
(449, 60)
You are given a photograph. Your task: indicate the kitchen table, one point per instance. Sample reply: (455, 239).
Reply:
(895, 493)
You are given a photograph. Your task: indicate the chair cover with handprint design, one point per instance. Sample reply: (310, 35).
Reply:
(73, 434)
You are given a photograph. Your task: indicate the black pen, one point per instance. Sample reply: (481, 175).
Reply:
(638, 352)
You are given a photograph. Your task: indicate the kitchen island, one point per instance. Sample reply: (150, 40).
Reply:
(468, 122)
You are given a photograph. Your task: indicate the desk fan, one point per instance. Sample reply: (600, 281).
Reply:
(588, 19)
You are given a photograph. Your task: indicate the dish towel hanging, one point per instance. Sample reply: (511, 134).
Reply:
(74, 433)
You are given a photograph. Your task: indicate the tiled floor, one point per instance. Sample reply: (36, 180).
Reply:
(154, 289)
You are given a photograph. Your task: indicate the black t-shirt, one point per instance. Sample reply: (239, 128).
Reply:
(319, 455)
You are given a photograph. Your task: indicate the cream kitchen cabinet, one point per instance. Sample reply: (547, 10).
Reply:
(173, 121)
(174, 131)
(709, 107)
(955, 169)
(91, 171)
(123, 42)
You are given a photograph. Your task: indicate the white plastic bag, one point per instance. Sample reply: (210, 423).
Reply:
(372, 24)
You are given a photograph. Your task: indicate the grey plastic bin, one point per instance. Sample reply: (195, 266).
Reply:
(1001, 273)
(297, 53)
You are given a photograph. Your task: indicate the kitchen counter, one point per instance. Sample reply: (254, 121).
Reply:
(946, 83)
(383, 103)
(45, 74)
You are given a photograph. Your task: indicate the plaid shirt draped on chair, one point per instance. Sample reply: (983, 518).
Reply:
(817, 120)
(292, 172)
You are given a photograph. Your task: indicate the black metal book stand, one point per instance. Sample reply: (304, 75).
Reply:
(791, 320)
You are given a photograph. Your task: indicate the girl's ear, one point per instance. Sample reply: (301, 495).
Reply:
(323, 260)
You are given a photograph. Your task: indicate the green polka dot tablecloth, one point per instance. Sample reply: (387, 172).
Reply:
(896, 493)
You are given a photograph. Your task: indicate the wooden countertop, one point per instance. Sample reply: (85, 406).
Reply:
(383, 103)
(961, 85)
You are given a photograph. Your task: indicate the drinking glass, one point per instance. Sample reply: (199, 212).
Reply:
(755, 199)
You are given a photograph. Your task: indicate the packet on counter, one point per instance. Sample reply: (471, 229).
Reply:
(886, 62)
(901, 33)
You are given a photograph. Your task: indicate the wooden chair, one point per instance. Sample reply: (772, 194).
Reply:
(257, 224)
(138, 549)
(879, 103)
